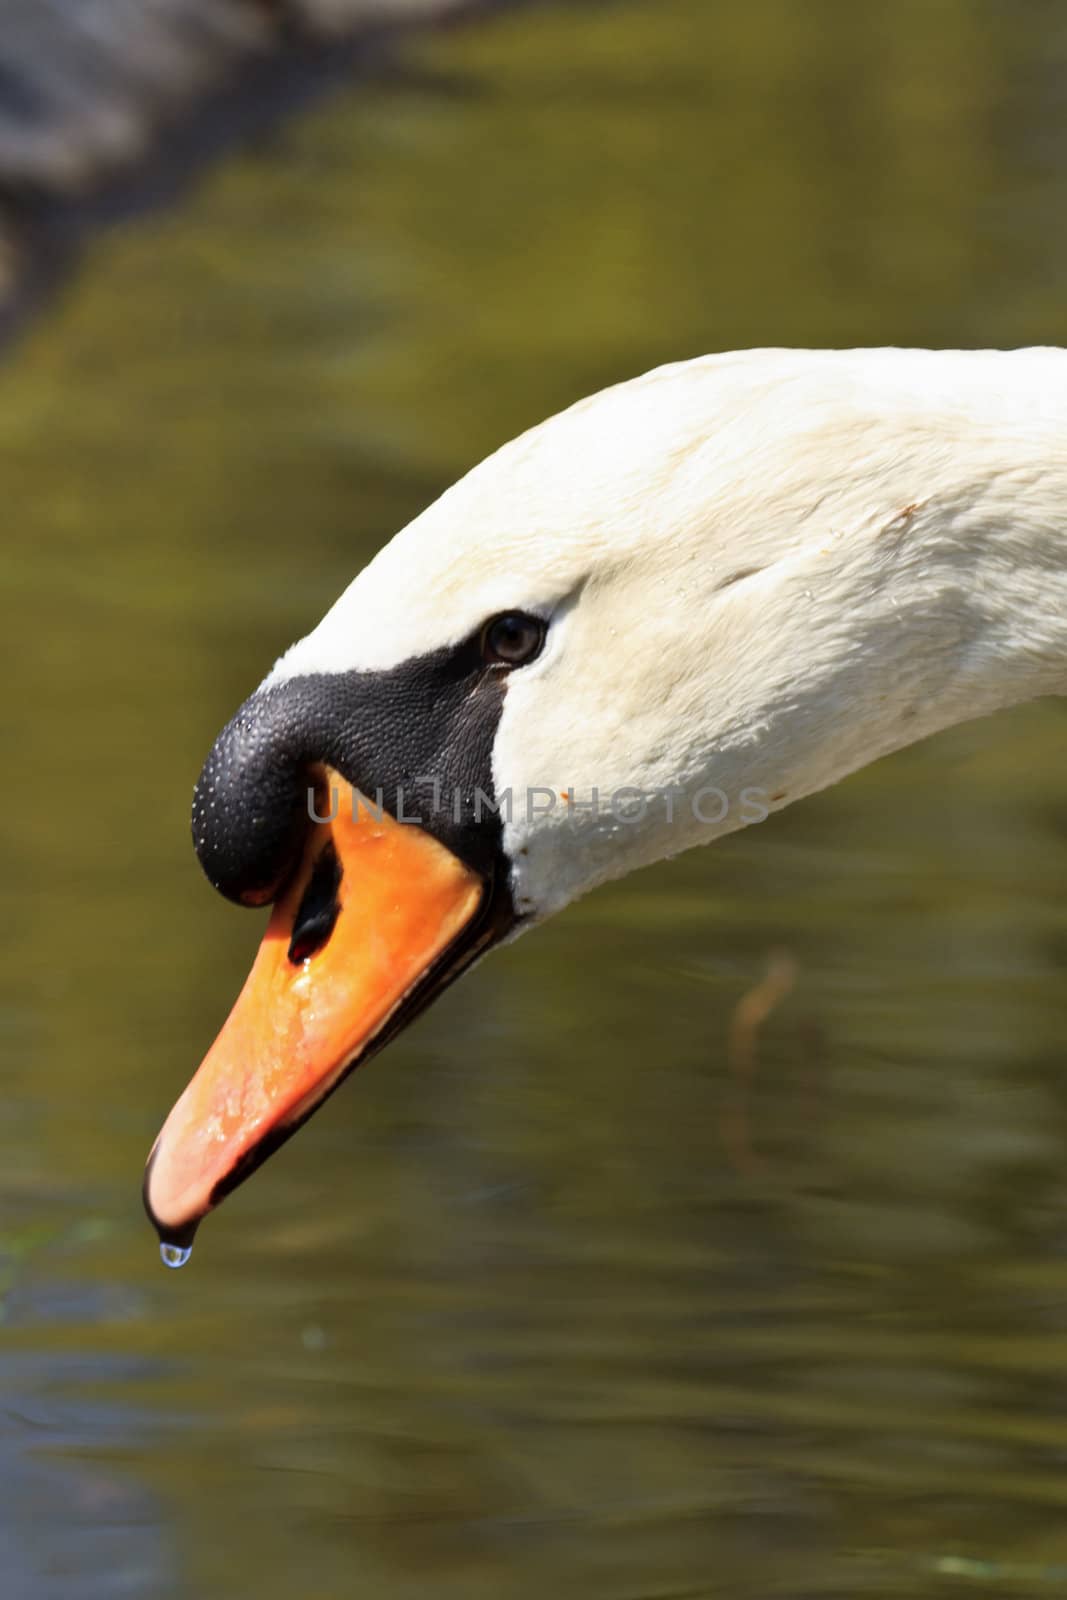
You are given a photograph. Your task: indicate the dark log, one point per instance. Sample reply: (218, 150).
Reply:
(107, 107)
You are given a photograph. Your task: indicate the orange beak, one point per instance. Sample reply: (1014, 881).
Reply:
(369, 921)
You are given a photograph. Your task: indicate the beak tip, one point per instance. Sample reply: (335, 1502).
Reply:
(178, 1234)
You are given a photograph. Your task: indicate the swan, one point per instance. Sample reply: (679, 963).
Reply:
(661, 615)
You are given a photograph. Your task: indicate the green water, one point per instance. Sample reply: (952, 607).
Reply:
(543, 1303)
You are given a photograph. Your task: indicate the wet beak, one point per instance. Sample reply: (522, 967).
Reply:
(378, 915)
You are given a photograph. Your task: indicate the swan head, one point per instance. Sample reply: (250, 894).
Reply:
(651, 620)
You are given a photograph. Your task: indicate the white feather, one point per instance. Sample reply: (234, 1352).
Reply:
(762, 570)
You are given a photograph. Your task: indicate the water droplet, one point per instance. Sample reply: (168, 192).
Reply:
(175, 1255)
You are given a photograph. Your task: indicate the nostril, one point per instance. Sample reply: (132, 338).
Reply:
(318, 909)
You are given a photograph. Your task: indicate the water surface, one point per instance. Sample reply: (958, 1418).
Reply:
(546, 1300)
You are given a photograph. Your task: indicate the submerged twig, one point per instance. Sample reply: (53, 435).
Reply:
(742, 1056)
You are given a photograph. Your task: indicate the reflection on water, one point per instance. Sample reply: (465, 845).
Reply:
(519, 1309)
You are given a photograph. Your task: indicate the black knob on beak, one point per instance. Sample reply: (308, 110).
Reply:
(250, 802)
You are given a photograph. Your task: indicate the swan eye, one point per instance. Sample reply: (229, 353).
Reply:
(512, 639)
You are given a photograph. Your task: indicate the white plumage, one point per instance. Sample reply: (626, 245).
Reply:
(761, 571)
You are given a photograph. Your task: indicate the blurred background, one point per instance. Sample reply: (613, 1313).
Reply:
(557, 1297)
